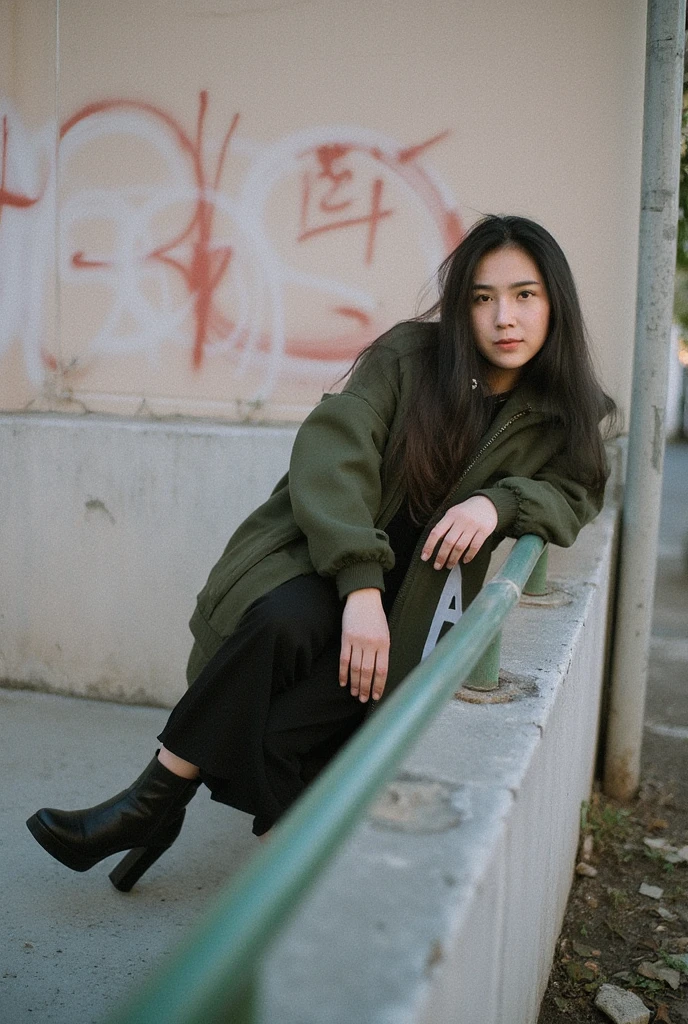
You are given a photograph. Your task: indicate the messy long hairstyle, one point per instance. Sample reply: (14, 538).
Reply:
(446, 419)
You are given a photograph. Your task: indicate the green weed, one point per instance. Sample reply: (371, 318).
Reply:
(617, 897)
(609, 825)
(673, 962)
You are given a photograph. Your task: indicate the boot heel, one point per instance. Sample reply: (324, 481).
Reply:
(127, 873)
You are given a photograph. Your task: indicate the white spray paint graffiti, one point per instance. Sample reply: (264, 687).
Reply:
(218, 269)
(27, 234)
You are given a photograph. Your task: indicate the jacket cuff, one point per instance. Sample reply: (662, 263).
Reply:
(359, 576)
(506, 503)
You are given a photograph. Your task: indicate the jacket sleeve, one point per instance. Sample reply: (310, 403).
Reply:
(334, 477)
(549, 504)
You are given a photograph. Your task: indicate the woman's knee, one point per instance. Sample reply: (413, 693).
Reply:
(304, 610)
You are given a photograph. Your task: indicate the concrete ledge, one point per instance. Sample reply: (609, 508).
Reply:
(110, 528)
(459, 925)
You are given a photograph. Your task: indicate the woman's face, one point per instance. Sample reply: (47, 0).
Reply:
(509, 312)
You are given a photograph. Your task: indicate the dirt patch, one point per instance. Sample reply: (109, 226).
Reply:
(612, 932)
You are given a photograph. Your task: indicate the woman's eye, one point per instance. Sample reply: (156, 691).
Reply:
(482, 298)
(525, 294)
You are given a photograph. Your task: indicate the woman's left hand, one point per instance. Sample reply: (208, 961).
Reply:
(462, 529)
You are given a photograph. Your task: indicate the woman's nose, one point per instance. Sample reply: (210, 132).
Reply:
(505, 314)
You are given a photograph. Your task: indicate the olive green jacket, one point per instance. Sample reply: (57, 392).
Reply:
(328, 514)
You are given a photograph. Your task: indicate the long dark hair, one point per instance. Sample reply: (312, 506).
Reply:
(444, 422)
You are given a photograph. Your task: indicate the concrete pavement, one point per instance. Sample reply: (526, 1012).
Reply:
(665, 746)
(72, 944)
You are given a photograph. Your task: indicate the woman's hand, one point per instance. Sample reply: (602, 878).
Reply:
(462, 530)
(364, 655)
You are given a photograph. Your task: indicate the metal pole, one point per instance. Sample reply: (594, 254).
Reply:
(485, 675)
(537, 584)
(640, 518)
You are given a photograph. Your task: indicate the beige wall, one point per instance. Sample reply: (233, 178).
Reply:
(234, 273)
(28, 318)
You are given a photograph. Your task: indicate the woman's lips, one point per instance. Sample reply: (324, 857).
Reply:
(508, 344)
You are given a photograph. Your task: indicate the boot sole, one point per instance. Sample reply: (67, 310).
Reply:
(53, 846)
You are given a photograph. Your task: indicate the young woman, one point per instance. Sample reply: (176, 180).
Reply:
(478, 420)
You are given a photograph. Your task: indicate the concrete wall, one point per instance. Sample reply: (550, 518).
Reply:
(109, 529)
(458, 924)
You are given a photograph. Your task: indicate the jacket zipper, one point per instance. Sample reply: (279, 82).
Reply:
(481, 452)
(408, 579)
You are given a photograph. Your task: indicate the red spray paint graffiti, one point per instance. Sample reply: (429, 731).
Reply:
(336, 181)
(7, 197)
(207, 266)
(337, 206)
(345, 185)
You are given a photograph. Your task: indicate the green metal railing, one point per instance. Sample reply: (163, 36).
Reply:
(212, 976)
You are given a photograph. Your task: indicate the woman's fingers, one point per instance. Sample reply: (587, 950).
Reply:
(474, 546)
(366, 674)
(461, 532)
(344, 663)
(435, 536)
(350, 660)
(465, 549)
(452, 547)
(381, 667)
(368, 679)
(365, 669)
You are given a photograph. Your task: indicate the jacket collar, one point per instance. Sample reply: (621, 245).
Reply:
(525, 397)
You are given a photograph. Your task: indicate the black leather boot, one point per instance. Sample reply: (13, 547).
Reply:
(145, 819)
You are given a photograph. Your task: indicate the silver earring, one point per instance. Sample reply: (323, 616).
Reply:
(474, 383)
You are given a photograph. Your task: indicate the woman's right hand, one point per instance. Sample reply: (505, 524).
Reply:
(364, 656)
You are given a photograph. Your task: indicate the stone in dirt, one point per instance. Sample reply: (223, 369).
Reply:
(653, 891)
(587, 870)
(621, 1006)
(666, 851)
(658, 971)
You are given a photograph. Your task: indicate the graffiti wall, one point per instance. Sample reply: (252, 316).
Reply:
(270, 280)
(200, 231)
